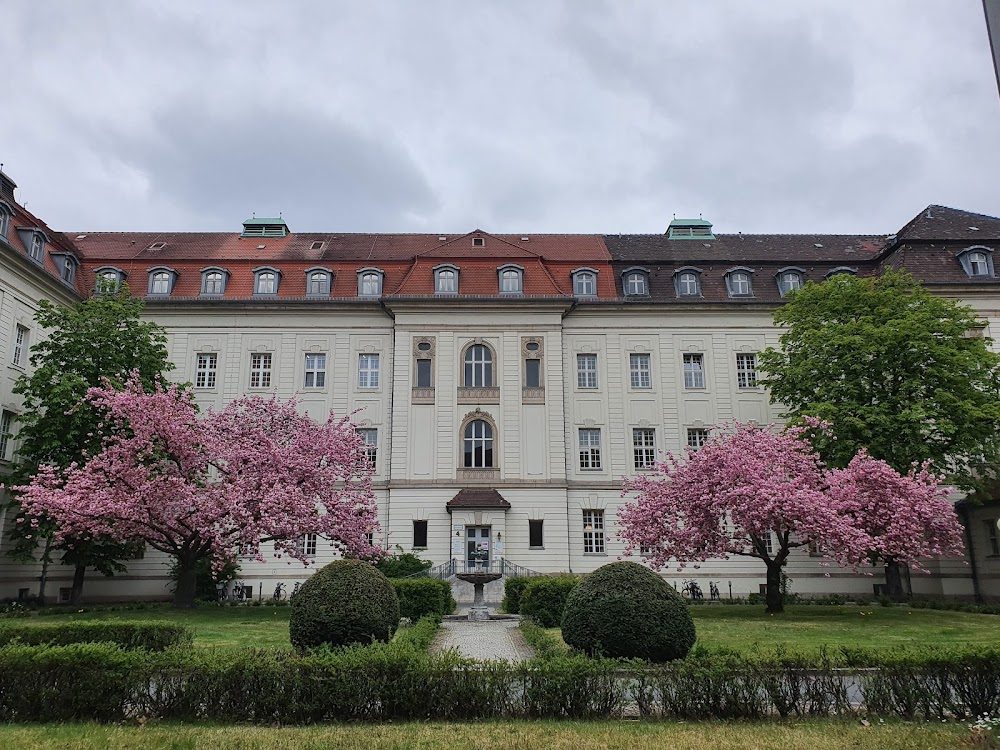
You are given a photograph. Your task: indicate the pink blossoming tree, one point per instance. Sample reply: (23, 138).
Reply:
(217, 486)
(756, 492)
(906, 517)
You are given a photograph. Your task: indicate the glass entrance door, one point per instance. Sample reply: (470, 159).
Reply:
(477, 546)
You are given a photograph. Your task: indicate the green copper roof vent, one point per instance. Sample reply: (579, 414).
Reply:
(255, 227)
(690, 229)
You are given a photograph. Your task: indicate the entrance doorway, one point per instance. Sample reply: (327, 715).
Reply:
(477, 546)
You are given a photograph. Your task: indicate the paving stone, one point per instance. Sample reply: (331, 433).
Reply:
(487, 641)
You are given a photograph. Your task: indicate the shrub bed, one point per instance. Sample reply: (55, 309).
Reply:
(391, 682)
(419, 597)
(150, 636)
(513, 588)
(544, 599)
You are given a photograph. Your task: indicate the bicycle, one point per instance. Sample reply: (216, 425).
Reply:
(279, 592)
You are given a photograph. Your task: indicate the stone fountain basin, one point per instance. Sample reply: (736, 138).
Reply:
(478, 579)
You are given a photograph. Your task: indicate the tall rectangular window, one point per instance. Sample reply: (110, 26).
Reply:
(593, 531)
(307, 545)
(424, 373)
(420, 534)
(535, 538)
(532, 373)
(368, 371)
(590, 449)
(694, 371)
(370, 436)
(769, 543)
(639, 371)
(21, 346)
(205, 370)
(746, 370)
(991, 531)
(643, 448)
(6, 434)
(315, 371)
(586, 370)
(696, 437)
(260, 370)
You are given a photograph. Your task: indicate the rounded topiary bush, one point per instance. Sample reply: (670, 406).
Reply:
(345, 602)
(626, 610)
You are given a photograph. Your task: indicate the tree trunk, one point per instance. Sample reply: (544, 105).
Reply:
(187, 582)
(775, 601)
(76, 594)
(894, 579)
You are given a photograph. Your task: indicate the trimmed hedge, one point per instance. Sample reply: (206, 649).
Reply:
(345, 602)
(396, 682)
(513, 588)
(626, 610)
(544, 599)
(139, 634)
(419, 597)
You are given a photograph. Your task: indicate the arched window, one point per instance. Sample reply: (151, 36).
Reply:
(636, 284)
(213, 282)
(738, 283)
(108, 279)
(511, 280)
(37, 243)
(159, 283)
(370, 282)
(478, 445)
(687, 283)
(977, 262)
(5, 214)
(318, 282)
(266, 283)
(842, 271)
(585, 282)
(789, 279)
(445, 280)
(478, 367)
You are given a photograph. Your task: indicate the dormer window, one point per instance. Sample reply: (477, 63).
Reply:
(5, 214)
(635, 282)
(789, 280)
(511, 279)
(584, 282)
(687, 282)
(213, 281)
(842, 271)
(318, 282)
(370, 282)
(108, 279)
(738, 282)
(264, 228)
(265, 281)
(977, 262)
(690, 229)
(37, 246)
(445, 280)
(479, 242)
(67, 266)
(161, 281)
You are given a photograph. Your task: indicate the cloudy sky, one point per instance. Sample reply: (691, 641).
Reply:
(512, 115)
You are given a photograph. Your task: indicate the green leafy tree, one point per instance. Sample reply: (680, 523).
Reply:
(101, 337)
(898, 371)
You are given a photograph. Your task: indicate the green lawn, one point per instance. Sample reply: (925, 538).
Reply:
(807, 628)
(606, 735)
(259, 627)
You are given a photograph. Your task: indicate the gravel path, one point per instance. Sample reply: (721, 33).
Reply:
(492, 640)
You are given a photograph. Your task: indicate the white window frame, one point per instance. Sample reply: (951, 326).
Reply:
(446, 280)
(696, 437)
(585, 283)
(206, 369)
(369, 370)
(992, 538)
(260, 369)
(979, 263)
(643, 447)
(370, 437)
(640, 371)
(209, 283)
(307, 545)
(318, 283)
(511, 280)
(739, 283)
(22, 339)
(6, 434)
(265, 283)
(478, 362)
(590, 449)
(370, 281)
(586, 371)
(688, 283)
(159, 282)
(636, 284)
(314, 375)
(593, 532)
(785, 284)
(479, 435)
(37, 246)
(746, 370)
(694, 371)
(4, 221)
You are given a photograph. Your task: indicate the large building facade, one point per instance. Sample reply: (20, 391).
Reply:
(504, 383)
